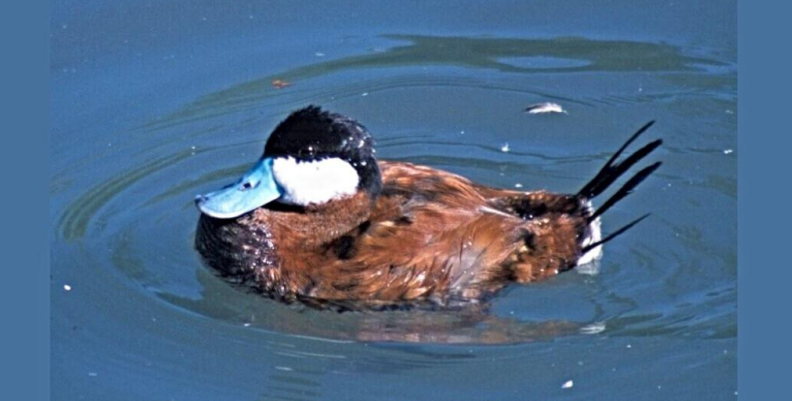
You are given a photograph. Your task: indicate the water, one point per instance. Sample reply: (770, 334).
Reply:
(153, 103)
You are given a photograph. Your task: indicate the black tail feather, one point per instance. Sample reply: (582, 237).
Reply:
(610, 172)
(614, 234)
(625, 190)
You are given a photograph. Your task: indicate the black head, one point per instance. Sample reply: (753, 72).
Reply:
(311, 134)
(312, 157)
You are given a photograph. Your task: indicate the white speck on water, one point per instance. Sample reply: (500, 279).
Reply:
(462, 132)
(67, 287)
(729, 111)
(728, 151)
(594, 328)
(284, 368)
(518, 185)
(246, 324)
(547, 107)
(505, 147)
(93, 374)
(629, 345)
(64, 26)
(319, 54)
(568, 384)
(204, 18)
(364, 94)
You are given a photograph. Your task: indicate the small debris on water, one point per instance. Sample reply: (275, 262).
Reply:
(364, 94)
(279, 84)
(93, 374)
(728, 151)
(67, 287)
(568, 384)
(319, 54)
(518, 185)
(284, 368)
(246, 324)
(505, 147)
(629, 345)
(547, 107)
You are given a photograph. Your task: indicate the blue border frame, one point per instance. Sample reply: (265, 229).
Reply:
(763, 219)
(764, 274)
(24, 111)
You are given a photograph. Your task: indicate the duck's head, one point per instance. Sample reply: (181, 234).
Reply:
(312, 157)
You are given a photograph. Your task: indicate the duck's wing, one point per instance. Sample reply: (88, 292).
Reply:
(426, 239)
(434, 236)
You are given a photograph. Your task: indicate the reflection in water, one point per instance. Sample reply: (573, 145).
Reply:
(472, 324)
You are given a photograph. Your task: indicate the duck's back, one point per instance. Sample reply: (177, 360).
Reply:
(437, 237)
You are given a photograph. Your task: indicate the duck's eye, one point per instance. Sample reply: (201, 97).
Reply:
(246, 186)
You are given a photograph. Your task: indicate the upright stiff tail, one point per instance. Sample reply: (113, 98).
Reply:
(610, 173)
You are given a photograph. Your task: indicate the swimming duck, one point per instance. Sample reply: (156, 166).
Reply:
(318, 219)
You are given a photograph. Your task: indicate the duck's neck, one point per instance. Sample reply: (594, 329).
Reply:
(317, 225)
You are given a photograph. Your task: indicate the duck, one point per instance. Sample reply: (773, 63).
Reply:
(319, 220)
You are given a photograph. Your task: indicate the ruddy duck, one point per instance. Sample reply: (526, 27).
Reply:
(320, 220)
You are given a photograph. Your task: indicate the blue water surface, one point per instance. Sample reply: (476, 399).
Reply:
(154, 102)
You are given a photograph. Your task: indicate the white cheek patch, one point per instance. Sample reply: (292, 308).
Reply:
(314, 182)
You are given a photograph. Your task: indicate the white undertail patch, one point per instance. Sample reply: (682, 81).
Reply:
(314, 182)
(589, 263)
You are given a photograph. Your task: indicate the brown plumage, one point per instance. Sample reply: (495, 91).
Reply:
(428, 237)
